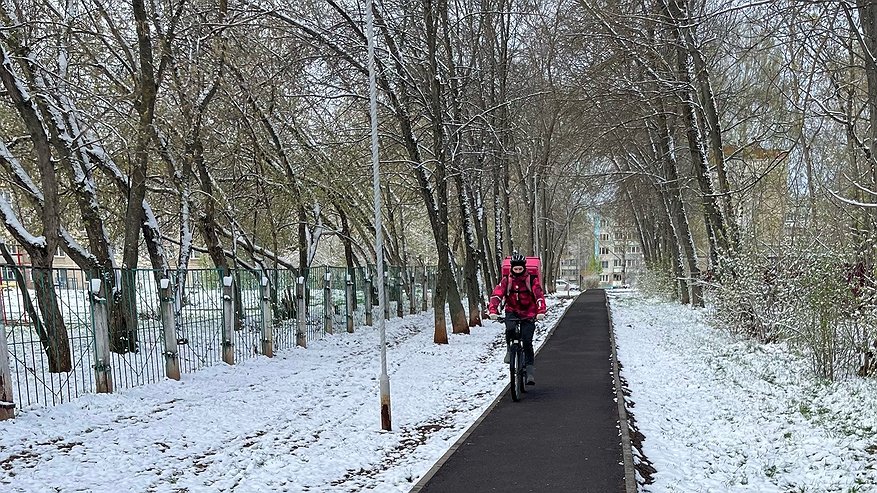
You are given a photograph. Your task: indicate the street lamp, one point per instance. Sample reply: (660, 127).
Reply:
(386, 422)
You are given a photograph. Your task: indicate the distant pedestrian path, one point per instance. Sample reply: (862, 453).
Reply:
(563, 435)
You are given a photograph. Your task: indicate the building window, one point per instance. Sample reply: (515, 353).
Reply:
(616, 263)
(604, 264)
(60, 253)
(61, 278)
(634, 249)
(617, 277)
(604, 236)
(604, 278)
(604, 250)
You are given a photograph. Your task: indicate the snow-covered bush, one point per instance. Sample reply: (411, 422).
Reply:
(656, 282)
(816, 302)
(591, 281)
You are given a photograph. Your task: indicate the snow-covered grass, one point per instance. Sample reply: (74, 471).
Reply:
(308, 420)
(721, 413)
(200, 326)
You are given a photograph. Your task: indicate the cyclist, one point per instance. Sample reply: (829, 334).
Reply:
(524, 301)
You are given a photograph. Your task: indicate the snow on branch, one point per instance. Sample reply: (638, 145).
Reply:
(867, 205)
(18, 171)
(17, 229)
(70, 243)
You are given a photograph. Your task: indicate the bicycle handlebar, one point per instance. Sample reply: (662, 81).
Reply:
(503, 319)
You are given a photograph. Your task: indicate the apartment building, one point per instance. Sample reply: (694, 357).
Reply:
(570, 268)
(618, 253)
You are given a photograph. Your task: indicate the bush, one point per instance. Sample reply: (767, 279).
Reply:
(591, 282)
(814, 301)
(656, 282)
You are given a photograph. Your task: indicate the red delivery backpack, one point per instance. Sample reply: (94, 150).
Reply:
(534, 268)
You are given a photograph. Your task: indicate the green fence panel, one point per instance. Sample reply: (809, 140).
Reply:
(248, 309)
(284, 308)
(200, 336)
(36, 385)
(136, 330)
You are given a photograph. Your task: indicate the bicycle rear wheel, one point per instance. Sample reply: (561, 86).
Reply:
(516, 371)
(522, 372)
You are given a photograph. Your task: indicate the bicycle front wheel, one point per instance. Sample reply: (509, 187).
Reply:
(516, 372)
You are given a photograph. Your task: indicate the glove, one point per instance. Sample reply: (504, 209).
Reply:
(494, 316)
(541, 316)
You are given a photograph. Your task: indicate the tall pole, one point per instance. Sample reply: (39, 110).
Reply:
(536, 251)
(386, 422)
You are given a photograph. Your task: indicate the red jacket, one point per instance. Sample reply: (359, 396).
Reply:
(525, 302)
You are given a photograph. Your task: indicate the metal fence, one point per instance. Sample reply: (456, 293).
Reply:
(66, 335)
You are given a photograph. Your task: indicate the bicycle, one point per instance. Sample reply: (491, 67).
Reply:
(517, 368)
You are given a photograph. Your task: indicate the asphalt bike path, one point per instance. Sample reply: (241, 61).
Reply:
(563, 435)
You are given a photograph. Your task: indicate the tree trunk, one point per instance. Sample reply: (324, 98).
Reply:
(470, 264)
(57, 345)
(145, 96)
(347, 241)
(868, 19)
(487, 267)
(716, 234)
(714, 129)
(678, 217)
(21, 282)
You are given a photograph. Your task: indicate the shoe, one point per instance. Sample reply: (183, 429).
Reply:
(508, 357)
(531, 376)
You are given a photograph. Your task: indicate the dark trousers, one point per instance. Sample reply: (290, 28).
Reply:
(528, 328)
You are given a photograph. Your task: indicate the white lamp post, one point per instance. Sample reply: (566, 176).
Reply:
(386, 421)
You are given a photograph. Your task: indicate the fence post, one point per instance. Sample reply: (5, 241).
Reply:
(328, 307)
(368, 301)
(348, 297)
(103, 379)
(267, 321)
(171, 352)
(301, 326)
(228, 320)
(7, 404)
(425, 303)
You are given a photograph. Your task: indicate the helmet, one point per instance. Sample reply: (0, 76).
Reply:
(518, 259)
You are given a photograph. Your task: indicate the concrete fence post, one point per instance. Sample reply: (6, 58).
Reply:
(7, 403)
(267, 321)
(228, 321)
(328, 307)
(348, 297)
(301, 328)
(103, 379)
(369, 302)
(171, 352)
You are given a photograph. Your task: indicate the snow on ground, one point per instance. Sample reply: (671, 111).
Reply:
(719, 414)
(306, 421)
(725, 414)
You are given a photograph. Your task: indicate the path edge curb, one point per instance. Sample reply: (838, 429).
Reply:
(447, 455)
(630, 485)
